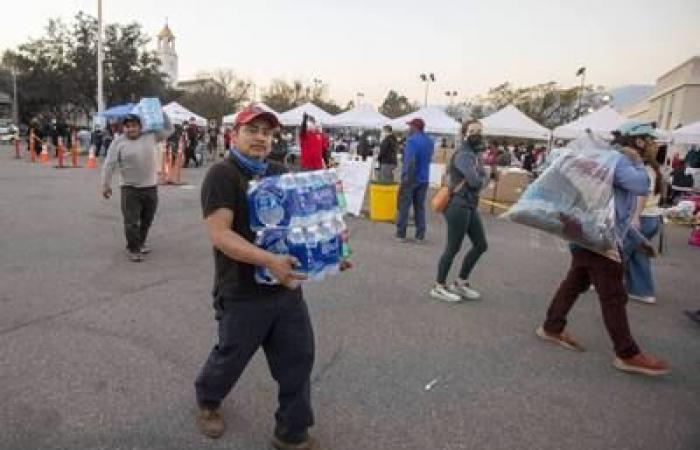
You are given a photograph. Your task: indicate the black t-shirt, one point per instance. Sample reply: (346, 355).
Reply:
(225, 186)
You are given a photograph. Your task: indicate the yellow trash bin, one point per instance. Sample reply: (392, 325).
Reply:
(382, 201)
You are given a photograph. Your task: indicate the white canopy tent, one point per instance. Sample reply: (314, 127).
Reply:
(362, 116)
(231, 118)
(687, 135)
(178, 114)
(436, 121)
(511, 122)
(293, 117)
(600, 123)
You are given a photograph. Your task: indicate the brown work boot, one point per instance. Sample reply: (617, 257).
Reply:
(308, 444)
(564, 339)
(210, 423)
(642, 363)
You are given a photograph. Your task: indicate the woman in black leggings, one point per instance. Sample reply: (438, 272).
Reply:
(466, 179)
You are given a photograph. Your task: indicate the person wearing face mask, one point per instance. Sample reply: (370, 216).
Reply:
(387, 155)
(606, 272)
(310, 144)
(466, 179)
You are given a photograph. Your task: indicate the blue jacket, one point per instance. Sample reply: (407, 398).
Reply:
(416, 158)
(630, 180)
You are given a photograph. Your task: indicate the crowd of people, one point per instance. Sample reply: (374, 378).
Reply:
(251, 315)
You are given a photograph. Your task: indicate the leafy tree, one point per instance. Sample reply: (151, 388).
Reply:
(57, 72)
(282, 96)
(396, 105)
(546, 103)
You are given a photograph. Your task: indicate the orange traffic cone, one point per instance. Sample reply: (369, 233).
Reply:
(91, 163)
(60, 152)
(32, 151)
(74, 150)
(165, 165)
(44, 156)
(175, 172)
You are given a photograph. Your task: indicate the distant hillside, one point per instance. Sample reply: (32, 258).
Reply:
(630, 94)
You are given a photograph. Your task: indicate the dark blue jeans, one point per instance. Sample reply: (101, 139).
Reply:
(412, 194)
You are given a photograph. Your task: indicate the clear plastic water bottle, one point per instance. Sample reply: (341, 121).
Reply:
(273, 240)
(266, 203)
(298, 248)
(330, 248)
(330, 195)
(287, 183)
(306, 204)
(318, 184)
(313, 242)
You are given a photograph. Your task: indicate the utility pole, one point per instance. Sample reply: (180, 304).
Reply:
(100, 60)
(580, 73)
(15, 106)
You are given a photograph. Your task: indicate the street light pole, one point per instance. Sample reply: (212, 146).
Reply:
(15, 106)
(100, 60)
(581, 73)
(427, 79)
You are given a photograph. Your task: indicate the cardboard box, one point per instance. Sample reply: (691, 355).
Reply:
(511, 184)
(440, 155)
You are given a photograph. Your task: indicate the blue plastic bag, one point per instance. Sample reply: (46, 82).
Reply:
(573, 199)
(151, 114)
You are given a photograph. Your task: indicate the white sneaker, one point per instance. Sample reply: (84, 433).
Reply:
(441, 293)
(648, 300)
(464, 291)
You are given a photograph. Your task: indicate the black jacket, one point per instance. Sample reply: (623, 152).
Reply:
(388, 149)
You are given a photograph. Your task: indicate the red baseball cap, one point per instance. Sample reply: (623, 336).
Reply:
(252, 112)
(417, 123)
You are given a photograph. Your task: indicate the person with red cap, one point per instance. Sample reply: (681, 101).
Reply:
(311, 144)
(415, 175)
(252, 315)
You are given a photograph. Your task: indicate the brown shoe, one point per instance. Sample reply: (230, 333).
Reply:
(210, 423)
(642, 363)
(308, 444)
(564, 339)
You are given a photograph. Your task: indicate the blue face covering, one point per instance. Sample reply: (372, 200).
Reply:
(254, 166)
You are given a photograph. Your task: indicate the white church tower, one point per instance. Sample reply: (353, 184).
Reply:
(167, 54)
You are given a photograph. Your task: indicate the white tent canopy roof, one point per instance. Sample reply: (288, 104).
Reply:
(436, 121)
(294, 116)
(511, 122)
(689, 134)
(362, 116)
(600, 123)
(178, 114)
(231, 118)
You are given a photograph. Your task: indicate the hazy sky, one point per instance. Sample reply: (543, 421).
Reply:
(372, 46)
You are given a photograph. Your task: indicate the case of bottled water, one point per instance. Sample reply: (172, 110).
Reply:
(151, 114)
(300, 215)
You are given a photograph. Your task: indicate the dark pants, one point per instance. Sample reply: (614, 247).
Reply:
(462, 220)
(138, 208)
(281, 325)
(413, 194)
(607, 277)
(190, 154)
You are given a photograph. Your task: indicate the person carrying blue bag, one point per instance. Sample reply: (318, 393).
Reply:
(630, 181)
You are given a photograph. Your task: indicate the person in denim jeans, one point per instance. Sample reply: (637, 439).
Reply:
(415, 175)
(648, 221)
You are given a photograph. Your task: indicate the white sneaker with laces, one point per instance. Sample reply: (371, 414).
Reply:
(648, 300)
(464, 290)
(441, 293)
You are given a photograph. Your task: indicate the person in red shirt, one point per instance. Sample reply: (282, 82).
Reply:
(311, 145)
